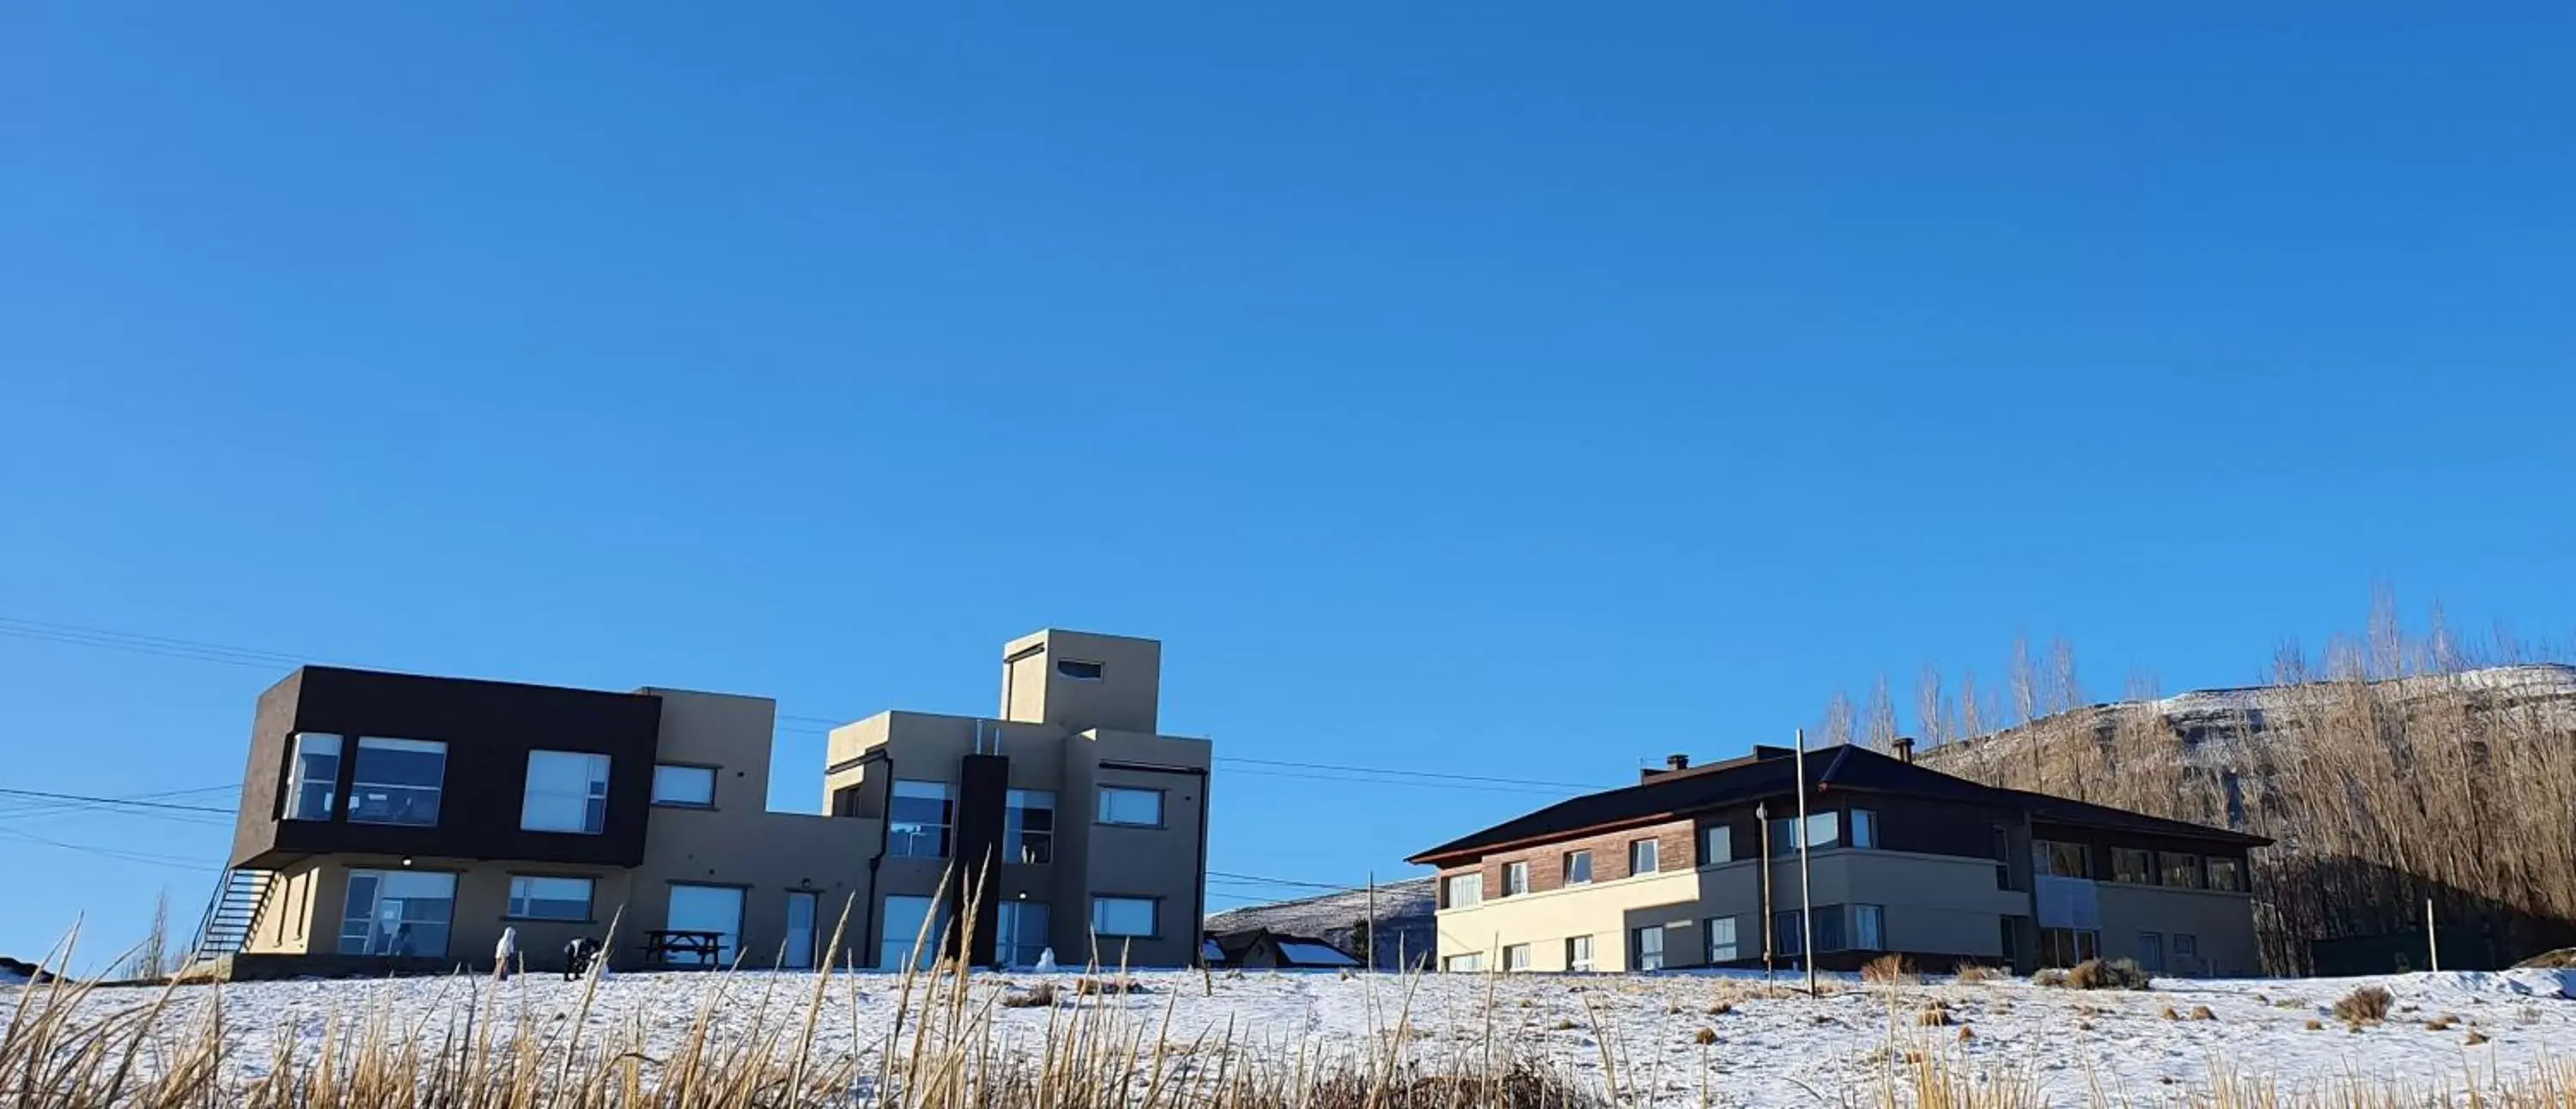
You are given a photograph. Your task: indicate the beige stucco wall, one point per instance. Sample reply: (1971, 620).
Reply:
(2222, 922)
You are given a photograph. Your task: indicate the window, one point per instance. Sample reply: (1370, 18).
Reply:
(1716, 845)
(1578, 867)
(1123, 916)
(399, 913)
(2133, 865)
(2186, 945)
(1021, 935)
(534, 898)
(1869, 927)
(1823, 833)
(1515, 881)
(911, 922)
(917, 822)
(396, 781)
(567, 792)
(2064, 860)
(688, 787)
(1646, 948)
(1078, 670)
(2182, 870)
(1642, 856)
(1464, 890)
(1578, 953)
(2226, 874)
(1721, 939)
(2065, 947)
(1516, 957)
(1141, 808)
(313, 777)
(716, 909)
(1028, 826)
(1463, 964)
(1793, 939)
(1864, 824)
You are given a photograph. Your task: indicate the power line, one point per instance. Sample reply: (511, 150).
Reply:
(129, 801)
(171, 861)
(1285, 882)
(1408, 773)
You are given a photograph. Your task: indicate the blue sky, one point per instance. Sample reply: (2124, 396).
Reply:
(1518, 391)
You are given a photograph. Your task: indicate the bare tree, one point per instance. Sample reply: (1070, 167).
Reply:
(151, 961)
(1881, 717)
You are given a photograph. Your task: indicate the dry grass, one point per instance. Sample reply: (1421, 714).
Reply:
(2364, 1005)
(1972, 973)
(2202, 1012)
(1890, 970)
(2095, 974)
(1040, 996)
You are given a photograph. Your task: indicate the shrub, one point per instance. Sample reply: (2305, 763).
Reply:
(1704, 1037)
(2562, 959)
(2315, 1025)
(1932, 1016)
(2118, 974)
(1721, 1008)
(2201, 1012)
(1966, 1034)
(1088, 987)
(2051, 977)
(1039, 996)
(1889, 970)
(1973, 973)
(2168, 1013)
(2364, 1005)
(2474, 1038)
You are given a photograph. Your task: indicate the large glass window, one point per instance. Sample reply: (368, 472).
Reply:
(2065, 947)
(688, 787)
(1141, 808)
(1869, 927)
(1829, 930)
(1578, 867)
(2226, 874)
(1646, 948)
(1515, 880)
(400, 913)
(911, 921)
(1464, 890)
(2064, 860)
(1123, 916)
(2181, 869)
(1022, 933)
(536, 898)
(313, 777)
(716, 909)
(567, 792)
(1643, 856)
(396, 781)
(918, 823)
(1028, 827)
(2133, 865)
(1578, 953)
(1721, 939)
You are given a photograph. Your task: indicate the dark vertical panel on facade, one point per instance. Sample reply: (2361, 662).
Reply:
(983, 791)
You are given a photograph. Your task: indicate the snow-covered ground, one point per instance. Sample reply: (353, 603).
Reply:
(1769, 1048)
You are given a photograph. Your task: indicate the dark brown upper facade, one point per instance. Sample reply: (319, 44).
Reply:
(472, 742)
(1919, 809)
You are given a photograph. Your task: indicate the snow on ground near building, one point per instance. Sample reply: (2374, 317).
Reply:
(1770, 1048)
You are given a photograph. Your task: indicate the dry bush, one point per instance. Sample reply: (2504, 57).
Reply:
(1966, 1034)
(1973, 973)
(2169, 1013)
(2474, 1038)
(1039, 996)
(1932, 1016)
(2202, 1012)
(2117, 974)
(2315, 1025)
(1890, 970)
(2049, 976)
(1721, 1008)
(1704, 1037)
(2364, 1005)
(1088, 987)
(2562, 959)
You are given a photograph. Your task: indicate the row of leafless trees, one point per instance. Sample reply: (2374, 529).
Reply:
(2395, 769)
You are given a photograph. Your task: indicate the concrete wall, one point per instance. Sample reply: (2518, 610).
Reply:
(2223, 923)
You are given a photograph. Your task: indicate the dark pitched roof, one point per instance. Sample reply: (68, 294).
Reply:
(1771, 772)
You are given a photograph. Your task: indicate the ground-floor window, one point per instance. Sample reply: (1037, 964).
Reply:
(1869, 927)
(1516, 957)
(2187, 950)
(716, 909)
(1646, 948)
(398, 913)
(1793, 938)
(1721, 939)
(2065, 947)
(1021, 935)
(1578, 953)
(910, 923)
(1463, 964)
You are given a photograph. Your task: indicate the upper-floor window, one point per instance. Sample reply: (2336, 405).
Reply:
(2064, 860)
(396, 781)
(688, 787)
(2182, 870)
(1078, 670)
(1515, 879)
(918, 819)
(567, 792)
(2132, 864)
(313, 777)
(1643, 855)
(2226, 874)
(1578, 867)
(1716, 845)
(538, 898)
(1463, 890)
(1028, 826)
(1864, 828)
(1824, 832)
(1125, 805)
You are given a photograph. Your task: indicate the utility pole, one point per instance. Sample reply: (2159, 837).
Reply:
(1762, 819)
(2432, 943)
(1806, 894)
(1370, 928)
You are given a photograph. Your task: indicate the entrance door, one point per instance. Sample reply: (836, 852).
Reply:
(800, 931)
(2151, 952)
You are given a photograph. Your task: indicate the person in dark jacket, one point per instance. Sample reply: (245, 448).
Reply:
(578, 952)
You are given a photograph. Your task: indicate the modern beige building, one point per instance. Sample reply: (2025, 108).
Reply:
(1698, 866)
(401, 822)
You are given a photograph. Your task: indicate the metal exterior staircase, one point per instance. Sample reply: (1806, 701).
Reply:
(232, 913)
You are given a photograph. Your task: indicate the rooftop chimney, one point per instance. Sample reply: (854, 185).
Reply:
(1905, 748)
(1677, 762)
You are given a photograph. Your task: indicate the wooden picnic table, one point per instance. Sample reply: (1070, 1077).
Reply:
(682, 947)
